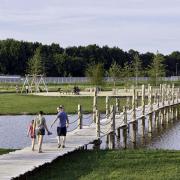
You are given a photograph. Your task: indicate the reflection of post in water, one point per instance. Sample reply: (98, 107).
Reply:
(176, 112)
(143, 131)
(111, 140)
(118, 134)
(156, 121)
(161, 119)
(164, 118)
(134, 129)
(125, 137)
(150, 125)
(107, 142)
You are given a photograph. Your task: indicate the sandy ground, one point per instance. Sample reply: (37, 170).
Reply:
(83, 93)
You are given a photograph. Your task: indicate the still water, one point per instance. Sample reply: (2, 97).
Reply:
(13, 133)
(13, 129)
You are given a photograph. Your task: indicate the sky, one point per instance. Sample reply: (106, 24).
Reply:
(142, 25)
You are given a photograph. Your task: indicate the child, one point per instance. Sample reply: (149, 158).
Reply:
(32, 134)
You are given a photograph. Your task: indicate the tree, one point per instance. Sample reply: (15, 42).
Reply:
(127, 73)
(157, 68)
(95, 73)
(114, 72)
(35, 65)
(136, 67)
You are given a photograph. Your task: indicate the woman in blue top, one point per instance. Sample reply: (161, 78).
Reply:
(63, 123)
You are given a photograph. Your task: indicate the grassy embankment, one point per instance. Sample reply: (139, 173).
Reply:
(29, 104)
(101, 165)
(4, 151)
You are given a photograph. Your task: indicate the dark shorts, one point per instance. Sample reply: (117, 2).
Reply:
(41, 131)
(61, 131)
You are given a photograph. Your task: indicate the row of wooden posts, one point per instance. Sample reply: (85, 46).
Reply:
(159, 105)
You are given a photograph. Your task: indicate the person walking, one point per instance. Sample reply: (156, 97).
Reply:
(32, 134)
(40, 127)
(62, 125)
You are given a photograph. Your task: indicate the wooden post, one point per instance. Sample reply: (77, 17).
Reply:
(136, 98)
(155, 96)
(97, 124)
(162, 110)
(128, 102)
(79, 116)
(172, 107)
(160, 93)
(150, 98)
(157, 111)
(113, 128)
(117, 105)
(143, 113)
(143, 99)
(133, 105)
(173, 94)
(95, 105)
(150, 108)
(107, 106)
(124, 115)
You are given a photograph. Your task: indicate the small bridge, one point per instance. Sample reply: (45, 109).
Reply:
(158, 107)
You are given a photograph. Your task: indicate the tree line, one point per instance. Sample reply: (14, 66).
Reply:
(19, 58)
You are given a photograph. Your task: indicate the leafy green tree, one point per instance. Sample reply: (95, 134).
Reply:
(157, 68)
(127, 73)
(35, 65)
(96, 74)
(137, 69)
(114, 72)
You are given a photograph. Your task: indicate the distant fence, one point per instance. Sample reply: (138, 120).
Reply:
(61, 80)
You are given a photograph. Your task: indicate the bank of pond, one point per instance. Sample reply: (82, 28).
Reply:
(111, 164)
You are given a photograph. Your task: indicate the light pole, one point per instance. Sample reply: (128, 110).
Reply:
(176, 69)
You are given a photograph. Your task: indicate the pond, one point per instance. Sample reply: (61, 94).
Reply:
(13, 129)
(13, 133)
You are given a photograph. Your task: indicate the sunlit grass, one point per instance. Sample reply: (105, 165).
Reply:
(125, 165)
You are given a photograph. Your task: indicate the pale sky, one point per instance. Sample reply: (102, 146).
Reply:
(142, 25)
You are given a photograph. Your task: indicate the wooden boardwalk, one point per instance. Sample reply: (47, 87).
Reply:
(19, 162)
(22, 161)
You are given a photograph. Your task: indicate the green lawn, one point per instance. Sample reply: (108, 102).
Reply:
(115, 164)
(29, 104)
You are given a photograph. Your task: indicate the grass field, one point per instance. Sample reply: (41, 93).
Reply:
(29, 104)
(112, 165)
